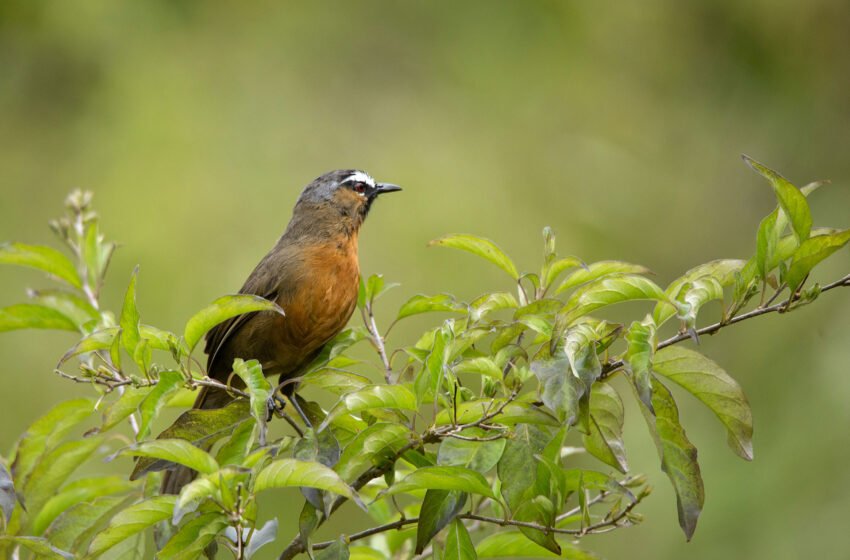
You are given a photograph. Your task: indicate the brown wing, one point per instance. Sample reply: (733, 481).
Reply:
(264, 281)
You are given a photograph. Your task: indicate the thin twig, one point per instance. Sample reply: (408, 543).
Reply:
(377, 341)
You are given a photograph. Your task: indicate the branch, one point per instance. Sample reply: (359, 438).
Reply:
(377, 341)
(780, 307)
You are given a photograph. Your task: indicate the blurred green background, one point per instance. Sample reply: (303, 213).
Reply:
(197, 124)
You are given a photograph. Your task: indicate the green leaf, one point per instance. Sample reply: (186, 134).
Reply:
(221, 310)
(558, 267)
(443, 478)
(53, 469)
(480, 456)
(335, 380)
(168, 384)
(810, 252)
(39, 546)
(259, 389)
(638, 358)
(766, 243)
(192, 495)
(190, 541)
(605, 439)
(33, 316)
(599, 270)
(177, 451)
(458, 543)
(200, 427)
(78, 491)
(285, 473)
(492, 302)
(439, 508)
(608, 291)
(513, 544)
(132, 521)
(513, 413)
(46, 432)
(237, 446)
(482, 366)
(715, 388)
(366, 553)
(374, 288)
(73, 529)
(376, 396)
(722, 270)
(129, 321)
(678, 456)
(337, 551)
(516, 467)
(427, 304)
(791, 200)
(482, 247)
(43, 258)
(375, 445)
(562, 389)
(69, 304)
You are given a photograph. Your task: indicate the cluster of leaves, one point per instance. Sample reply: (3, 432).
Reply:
(461, 451)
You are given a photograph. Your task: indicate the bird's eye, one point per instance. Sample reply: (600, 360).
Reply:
(359, 188)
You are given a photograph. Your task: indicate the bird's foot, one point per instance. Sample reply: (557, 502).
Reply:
(275, 405)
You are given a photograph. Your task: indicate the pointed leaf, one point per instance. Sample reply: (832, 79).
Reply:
(177, 451)
(605, 440)
(810, 252)
(562, 389)
(79, 524)
(39, 546)
(608, 291)
(375, 445)
(376, 396)
(515, 467)
(190, 541)
(678, 456)
(78, 491)
(168, 384)
(43, 258)
(439, 507)
(427, 304)
(259, 389)
(558, 267)
(221, 310)
(715, 388)
(513, 413)
(53, 469)
(458, 543)
(132, 521)
(46, 432)
(513, 544)
(129, 321)
(791, 200)
(480, 456)
(292, 472)
(482, 247)
(443, 478)
(638, 358)
(33, 316)
(599, 270)
(722, 270)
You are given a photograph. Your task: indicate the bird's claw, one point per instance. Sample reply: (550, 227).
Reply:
(274, 405)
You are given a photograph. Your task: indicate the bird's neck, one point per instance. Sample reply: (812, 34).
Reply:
(323, 222)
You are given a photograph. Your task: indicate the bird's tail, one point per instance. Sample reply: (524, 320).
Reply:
(178, 477)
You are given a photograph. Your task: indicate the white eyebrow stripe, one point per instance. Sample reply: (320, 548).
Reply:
(360, 177)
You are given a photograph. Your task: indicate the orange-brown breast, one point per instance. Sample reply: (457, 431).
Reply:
(320, 306)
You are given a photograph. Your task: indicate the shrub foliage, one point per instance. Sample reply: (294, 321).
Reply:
(457, 449)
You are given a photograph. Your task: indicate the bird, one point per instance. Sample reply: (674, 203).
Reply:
(312, 273)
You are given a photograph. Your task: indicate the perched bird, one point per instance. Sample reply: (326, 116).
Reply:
(312, 273)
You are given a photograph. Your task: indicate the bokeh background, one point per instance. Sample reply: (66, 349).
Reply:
(197, 123)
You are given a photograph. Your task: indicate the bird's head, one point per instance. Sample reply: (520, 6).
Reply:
(348, 192)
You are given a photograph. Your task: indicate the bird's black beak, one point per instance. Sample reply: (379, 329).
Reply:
(382, 188)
